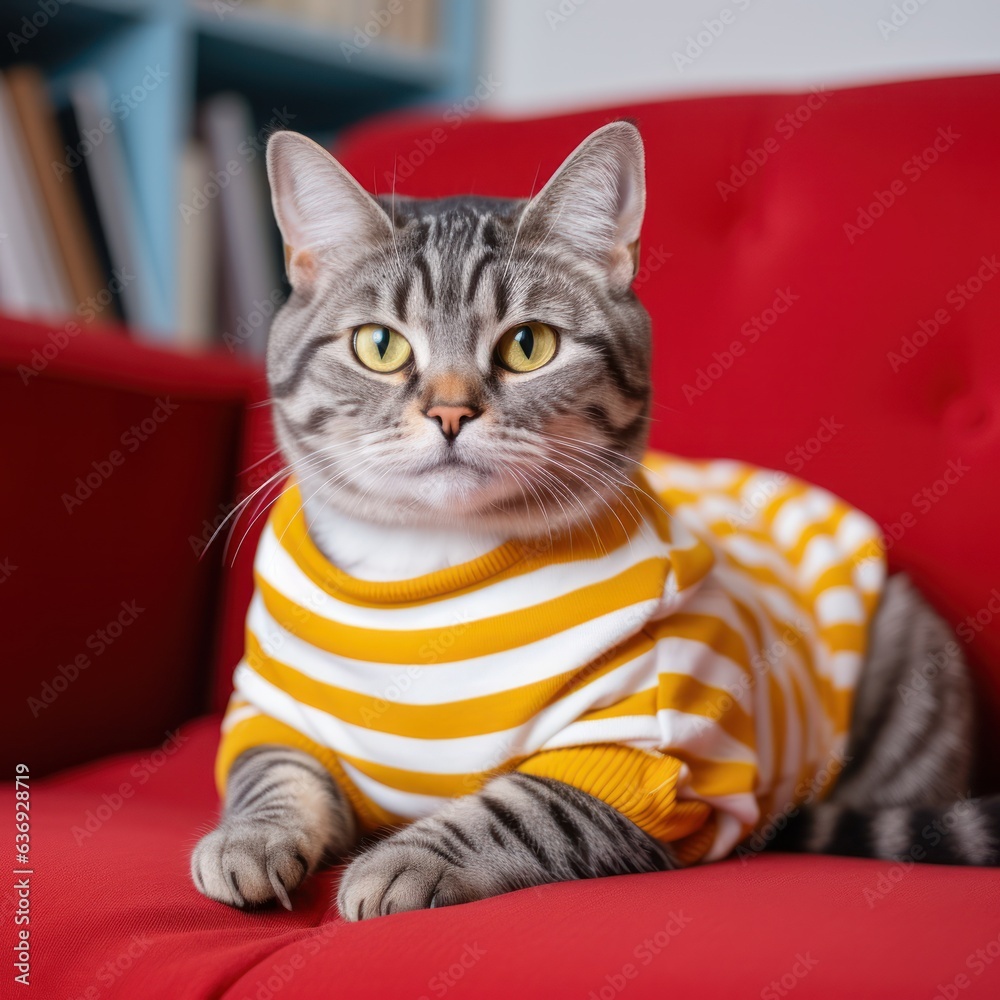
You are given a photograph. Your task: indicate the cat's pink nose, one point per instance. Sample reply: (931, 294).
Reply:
(451, 418)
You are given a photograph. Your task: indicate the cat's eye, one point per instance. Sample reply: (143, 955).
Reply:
(527, 347)
(380, 348)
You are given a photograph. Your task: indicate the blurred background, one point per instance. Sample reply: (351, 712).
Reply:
(132, 189)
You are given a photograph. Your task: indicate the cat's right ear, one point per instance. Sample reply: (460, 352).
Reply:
(319, 206)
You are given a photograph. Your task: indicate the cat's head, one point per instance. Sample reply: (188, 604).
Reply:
(468, 361)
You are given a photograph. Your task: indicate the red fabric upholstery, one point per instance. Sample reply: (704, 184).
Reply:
(114, 456)
(815, 393)
(117, 916)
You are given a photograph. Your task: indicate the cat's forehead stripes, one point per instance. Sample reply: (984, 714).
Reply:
(445, 248)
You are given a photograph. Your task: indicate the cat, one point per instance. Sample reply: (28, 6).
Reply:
(462, 389)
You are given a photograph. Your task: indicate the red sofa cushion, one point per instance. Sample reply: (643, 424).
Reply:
(117, 916)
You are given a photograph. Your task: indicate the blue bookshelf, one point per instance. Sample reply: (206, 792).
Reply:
(198, 48)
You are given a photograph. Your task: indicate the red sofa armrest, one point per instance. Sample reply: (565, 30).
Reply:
(117, 459)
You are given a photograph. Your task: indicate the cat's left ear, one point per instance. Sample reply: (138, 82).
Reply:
(596, 199)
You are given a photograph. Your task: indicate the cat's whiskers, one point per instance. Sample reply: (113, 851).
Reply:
(263, 506)
(538, 499)
(365, 463)
(571, 495)
(260, 461)
(306, 467)
(240, 505)
(586, 447)
(556, 488)
(586, 482)
(620, 485)
(611, 476)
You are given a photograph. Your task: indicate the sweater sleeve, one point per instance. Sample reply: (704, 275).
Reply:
(245, 727)
(640, 784)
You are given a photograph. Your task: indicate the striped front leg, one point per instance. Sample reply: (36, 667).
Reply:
(283, 814)
(520, 831)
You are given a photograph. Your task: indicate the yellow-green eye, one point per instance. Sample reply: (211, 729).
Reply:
(381, 349)
(527, 347)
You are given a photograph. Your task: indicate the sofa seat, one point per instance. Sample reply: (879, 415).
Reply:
(115, 914)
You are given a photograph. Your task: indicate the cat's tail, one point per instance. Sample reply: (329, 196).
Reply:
(966, 832)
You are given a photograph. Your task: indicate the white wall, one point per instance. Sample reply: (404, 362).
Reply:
(556, 54)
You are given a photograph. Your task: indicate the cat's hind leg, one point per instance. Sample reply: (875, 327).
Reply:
(911, 734)
(904, 790)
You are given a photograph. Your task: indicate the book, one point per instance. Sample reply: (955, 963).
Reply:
(33, 281)
(78, 177)
(251, 276)
(76, 247)
(131, 264)
(197, 252)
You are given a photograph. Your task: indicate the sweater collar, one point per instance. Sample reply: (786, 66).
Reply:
(690, 558)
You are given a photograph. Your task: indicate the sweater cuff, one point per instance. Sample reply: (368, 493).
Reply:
(258, 730)
(641, 785)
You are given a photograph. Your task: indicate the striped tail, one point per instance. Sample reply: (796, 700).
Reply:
(966, 832)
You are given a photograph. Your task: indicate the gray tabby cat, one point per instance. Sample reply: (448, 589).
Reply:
(456, 269)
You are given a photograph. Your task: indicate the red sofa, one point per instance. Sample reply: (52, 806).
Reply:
(820, 268)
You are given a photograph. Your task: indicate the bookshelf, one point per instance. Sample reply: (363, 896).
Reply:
(197, 48)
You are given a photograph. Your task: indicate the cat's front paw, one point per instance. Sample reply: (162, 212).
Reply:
(243, 863)
(395, 875)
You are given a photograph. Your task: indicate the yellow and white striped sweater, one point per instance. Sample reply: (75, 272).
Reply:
(692, 663)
